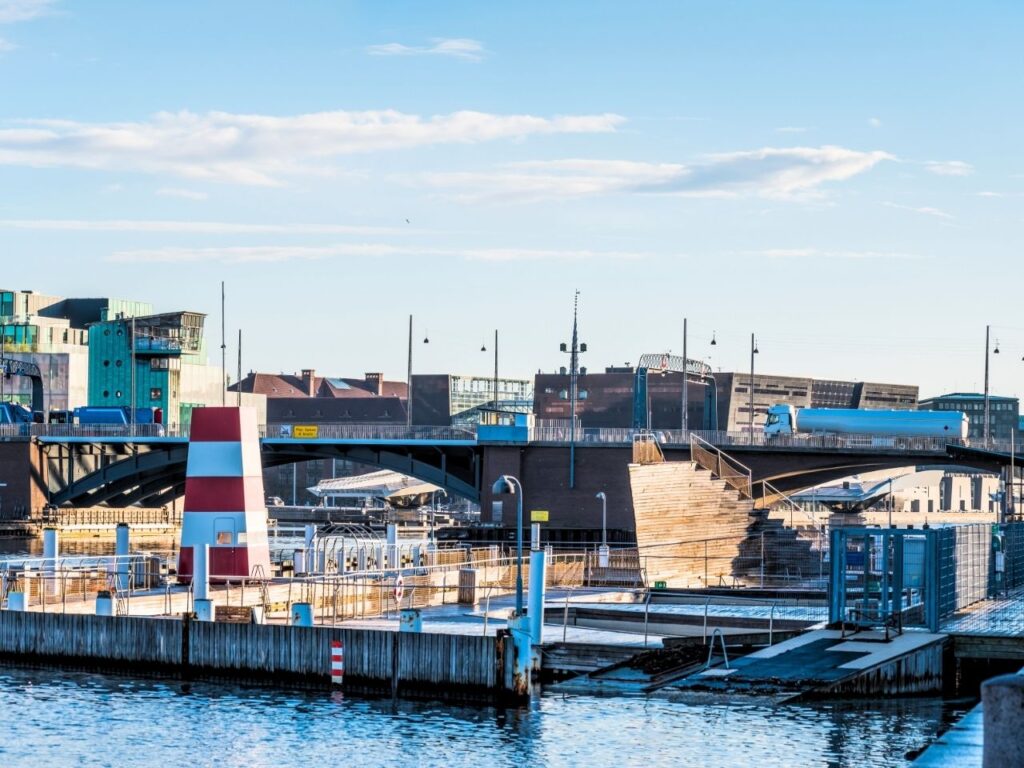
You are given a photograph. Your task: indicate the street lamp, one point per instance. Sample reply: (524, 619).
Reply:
(891, 502)
(753, 351)
(604, 518)
(508, 484)
(602, 551)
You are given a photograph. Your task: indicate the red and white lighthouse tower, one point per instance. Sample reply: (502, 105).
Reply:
(224, 502)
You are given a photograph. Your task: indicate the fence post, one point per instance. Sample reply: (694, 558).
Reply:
(762, 559)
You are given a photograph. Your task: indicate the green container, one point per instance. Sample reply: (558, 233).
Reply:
(660, 585)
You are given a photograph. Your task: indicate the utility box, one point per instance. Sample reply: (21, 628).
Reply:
(410, 620)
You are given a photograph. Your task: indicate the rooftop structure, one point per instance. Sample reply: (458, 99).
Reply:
(308, 384)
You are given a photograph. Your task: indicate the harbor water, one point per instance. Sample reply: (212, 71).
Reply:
(56, 718)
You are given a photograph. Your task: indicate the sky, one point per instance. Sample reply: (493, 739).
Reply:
(845, 181)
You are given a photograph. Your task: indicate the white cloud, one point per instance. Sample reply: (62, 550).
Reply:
(12, 11)
(455, 47)
(282, 253)
(925, 210)
(192, 227)
(874, 122)
(988, 193)
(768, 172)
(949, 167)
(825, 253)
(186, 194)
(262, 149)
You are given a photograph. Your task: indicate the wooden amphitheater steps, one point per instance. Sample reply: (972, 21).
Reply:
(693, 530)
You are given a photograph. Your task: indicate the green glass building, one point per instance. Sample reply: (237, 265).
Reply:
(167, 354)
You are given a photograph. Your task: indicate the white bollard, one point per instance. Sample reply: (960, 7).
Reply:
(392, 552)
(16, 601)
(300, 562)
(104, 604)
(535, 597)
(51, 553)
(603, 556)
(302, 615)
(205, 610)
(122, 550)
(201, 572)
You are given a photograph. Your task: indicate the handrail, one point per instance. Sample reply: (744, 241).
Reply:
(711, 648)
(698, 444)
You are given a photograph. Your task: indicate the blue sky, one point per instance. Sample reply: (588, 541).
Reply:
(843, 180)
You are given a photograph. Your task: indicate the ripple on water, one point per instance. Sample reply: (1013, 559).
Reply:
(55, 718)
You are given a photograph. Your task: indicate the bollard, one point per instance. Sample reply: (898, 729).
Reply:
(1002, 701)
(205, 610)
(410, 620)
(521, 683)
(16, 601)
(302, 615)
(122, 550)
(392, 541)
(51, 552)
(104, 603)
(603, 556)
(201, 572)
(535, 596)
(299, 567)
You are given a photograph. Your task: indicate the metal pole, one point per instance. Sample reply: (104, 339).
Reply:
(686, 400)
(604, 520)
(238, 381)
(519, 547)
(131, 359)
(753, 349)
(495, 369)
(573, 369)
(985, 430)
(223, 352)
(408, 381)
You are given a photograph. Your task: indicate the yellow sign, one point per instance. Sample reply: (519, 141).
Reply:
(305, 431)
(538, 516)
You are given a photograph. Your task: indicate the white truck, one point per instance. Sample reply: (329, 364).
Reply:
(788, 420)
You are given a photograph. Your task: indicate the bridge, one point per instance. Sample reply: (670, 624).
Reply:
(121, 466)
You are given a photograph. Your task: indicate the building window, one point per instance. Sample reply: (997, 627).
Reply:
(156, 393)
(583, 394)
(119, 363)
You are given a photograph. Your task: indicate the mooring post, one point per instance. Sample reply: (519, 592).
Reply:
(121, 552)
(51, 552)
(1002, 700)
(203, 605)
(535, 605)
(522, 655)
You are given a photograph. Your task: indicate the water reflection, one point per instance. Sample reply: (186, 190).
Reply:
(96, 720)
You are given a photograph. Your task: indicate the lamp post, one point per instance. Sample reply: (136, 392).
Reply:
(686, 403)
(602, 551)
(753, 351)
(574, 349)
(408, 378)
(891, 502)
(508, 484)
(604, 518)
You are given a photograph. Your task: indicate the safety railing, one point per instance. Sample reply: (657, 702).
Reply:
(735, 474)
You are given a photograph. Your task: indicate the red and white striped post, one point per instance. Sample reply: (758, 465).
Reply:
(337, 662)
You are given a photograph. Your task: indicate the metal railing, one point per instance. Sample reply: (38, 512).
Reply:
(545, 432)
(723, 466)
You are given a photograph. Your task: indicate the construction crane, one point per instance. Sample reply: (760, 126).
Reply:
(662, 363)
